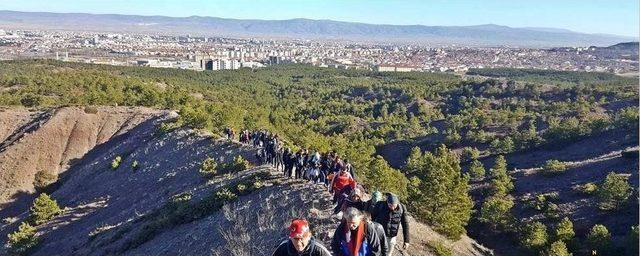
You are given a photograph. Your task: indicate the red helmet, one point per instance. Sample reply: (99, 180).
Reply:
(298, 228)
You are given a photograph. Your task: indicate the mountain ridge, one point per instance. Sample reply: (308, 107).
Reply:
(303, 28)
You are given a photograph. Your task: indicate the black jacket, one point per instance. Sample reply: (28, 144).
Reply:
(370, 235)
(313, 249)
(391, 220)
(383, 238)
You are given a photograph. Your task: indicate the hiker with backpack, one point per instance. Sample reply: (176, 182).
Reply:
(301, 242)
(356, 236)
(391, 214)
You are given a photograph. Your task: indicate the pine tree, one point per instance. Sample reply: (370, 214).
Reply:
(43, 209)
(439, 193)
(501, 183)
(383, 177)
(22, 240)
(613, 192)
(564, 230)
(558, 248)
(496, 211)
(534, 235)
(477, 170)
(599, 238)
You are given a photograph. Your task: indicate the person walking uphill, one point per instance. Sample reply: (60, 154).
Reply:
(391, 215)
(355, 236)
(300, 242)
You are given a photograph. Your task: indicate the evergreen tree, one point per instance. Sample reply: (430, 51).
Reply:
(22, 240)
(534, 235)
(477, 170)
(496, 211)
(558, 248)
(614, 191)
(383, 177)
(501, 183)
(439, 193)
(564, 230)
(43, 209)
(599, 239)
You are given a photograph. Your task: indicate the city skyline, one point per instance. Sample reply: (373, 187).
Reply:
(597, 17)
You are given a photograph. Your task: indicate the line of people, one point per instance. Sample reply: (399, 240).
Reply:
(368, 228)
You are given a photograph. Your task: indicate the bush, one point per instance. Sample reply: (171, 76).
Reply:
(439, 249)
(534, 235)
(237, 165)
(558, 248)
(43, 209)
(208, 168)
(225, 195)
(43, 179)
(135, 165)
(599, 238)
(115, 163)
(554, 166)
(632, 241)
(588, 188)
(23, 240)
(614, 191)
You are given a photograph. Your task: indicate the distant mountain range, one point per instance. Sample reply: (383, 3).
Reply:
(480, 35)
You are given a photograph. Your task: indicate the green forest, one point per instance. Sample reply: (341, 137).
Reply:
(487, 113)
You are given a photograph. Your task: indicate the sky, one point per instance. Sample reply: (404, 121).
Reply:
(619, 17)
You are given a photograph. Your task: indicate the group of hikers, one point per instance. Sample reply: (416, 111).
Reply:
(368, 227)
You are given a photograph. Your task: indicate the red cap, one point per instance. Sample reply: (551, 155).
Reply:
(298, 228)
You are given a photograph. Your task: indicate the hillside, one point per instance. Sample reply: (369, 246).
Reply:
(305, 28)
(121, 211)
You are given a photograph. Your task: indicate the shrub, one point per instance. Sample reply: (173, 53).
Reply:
(43, 179)
(614, 191)
(558, 248)
(43, 209)
(23, 240)
(588, 188)
(135, 165)
(599, 238)
(241, 188)
(534, 235)
(225, 195)
(238, 164)
(439, 249)
(115, 163)
(208, 167)
(564, 230)
(554, 166)
(503, 146)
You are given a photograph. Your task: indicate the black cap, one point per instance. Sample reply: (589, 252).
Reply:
(392, 199)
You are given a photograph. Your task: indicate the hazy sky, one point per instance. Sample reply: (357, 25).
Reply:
(592, 16)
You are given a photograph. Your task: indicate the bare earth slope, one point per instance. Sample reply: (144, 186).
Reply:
(49, 141)
(109, 212)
